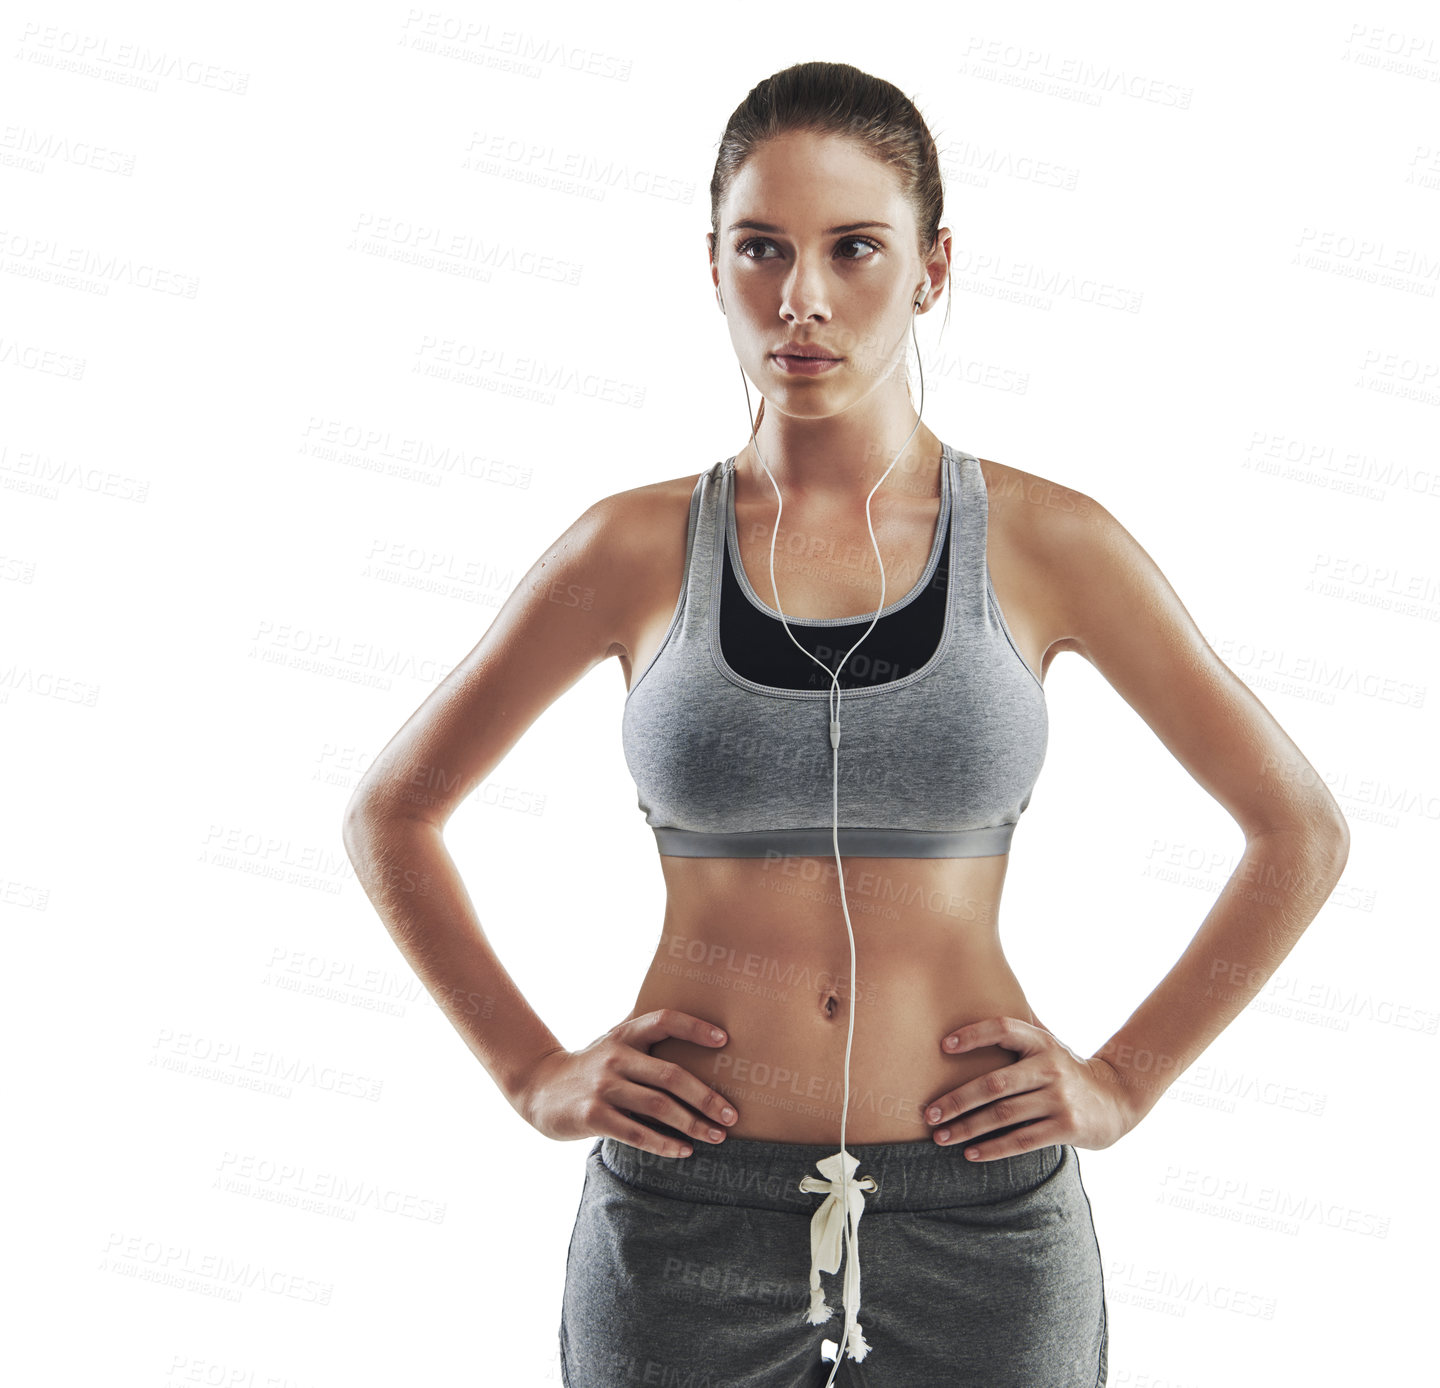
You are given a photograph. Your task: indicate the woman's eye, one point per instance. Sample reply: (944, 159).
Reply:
(761, 242)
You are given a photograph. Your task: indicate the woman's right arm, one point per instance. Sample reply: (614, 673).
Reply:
(564, 617)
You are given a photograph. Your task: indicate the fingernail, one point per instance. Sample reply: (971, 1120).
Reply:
(716, 1034)
(944, 1134)
(716, 1135)
(728, 1115)
(933, 1115)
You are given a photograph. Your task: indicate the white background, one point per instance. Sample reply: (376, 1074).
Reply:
(247, 529)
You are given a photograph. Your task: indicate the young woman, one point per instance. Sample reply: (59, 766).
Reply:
(835, 643)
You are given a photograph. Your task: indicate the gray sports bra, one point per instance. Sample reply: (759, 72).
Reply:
(939, 762)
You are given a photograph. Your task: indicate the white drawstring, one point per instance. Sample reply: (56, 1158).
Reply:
(838, 1215)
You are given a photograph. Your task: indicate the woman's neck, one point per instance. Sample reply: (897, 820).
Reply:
(820, 460)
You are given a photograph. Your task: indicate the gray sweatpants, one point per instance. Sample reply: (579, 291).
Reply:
(696, 1272)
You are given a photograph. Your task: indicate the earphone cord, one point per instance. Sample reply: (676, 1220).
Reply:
(835, 760)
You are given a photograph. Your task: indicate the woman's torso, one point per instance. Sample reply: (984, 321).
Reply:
(759, 945)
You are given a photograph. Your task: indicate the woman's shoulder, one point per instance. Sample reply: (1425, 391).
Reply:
(1042, 522)
(646, 518)
(654, 497)
(1030, 504)
(1047, 543)
(1080, 567)
(638, 534)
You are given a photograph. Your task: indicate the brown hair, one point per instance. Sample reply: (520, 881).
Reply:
(837, 99)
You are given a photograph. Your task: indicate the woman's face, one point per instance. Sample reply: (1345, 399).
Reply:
(794, 264)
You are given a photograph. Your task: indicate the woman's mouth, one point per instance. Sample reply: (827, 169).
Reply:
(805, 366)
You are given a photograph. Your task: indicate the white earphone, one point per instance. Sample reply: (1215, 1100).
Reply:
(847, 1188)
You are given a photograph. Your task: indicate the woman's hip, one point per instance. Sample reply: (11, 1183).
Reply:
(982, 1272)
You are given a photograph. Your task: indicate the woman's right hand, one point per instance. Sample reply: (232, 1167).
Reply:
(576, 1094)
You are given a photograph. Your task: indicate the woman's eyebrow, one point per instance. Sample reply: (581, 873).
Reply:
(829, 231)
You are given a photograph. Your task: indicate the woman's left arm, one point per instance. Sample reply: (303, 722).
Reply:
(1117, 610)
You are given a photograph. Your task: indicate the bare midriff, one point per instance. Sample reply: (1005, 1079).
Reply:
(760, 948)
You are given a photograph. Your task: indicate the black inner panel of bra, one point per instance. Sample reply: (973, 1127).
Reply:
(756, 647)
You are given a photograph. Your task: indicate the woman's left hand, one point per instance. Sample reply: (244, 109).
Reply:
(1060, 1096)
